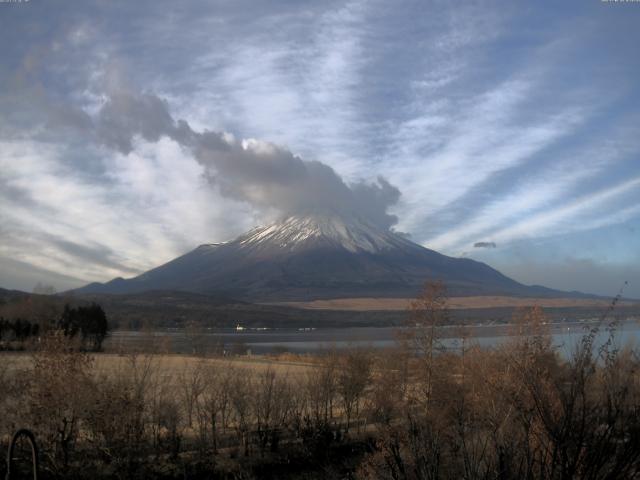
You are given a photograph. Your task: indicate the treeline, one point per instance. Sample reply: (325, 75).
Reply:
(18, 329)
(88, 324)
(419, 411)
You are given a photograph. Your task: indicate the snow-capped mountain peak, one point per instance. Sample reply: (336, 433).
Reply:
(302, 232)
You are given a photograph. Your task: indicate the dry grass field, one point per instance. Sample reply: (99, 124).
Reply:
(394, 304)
(173, 365)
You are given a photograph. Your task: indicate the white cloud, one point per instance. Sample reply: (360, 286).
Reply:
(149, 207)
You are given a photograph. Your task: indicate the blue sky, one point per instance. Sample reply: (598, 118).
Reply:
(503, 122)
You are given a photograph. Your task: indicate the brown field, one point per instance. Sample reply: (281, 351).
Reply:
(171, 366)
(394, 304)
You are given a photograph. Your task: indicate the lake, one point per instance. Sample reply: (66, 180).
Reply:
(565, 336)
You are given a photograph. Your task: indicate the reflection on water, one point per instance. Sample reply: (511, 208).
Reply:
(566, 337)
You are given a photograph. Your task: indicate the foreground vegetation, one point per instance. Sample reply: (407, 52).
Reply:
(417, 412)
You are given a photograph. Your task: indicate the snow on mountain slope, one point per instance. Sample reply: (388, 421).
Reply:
(303, 232)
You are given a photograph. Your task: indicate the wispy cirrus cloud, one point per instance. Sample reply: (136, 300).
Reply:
(142, 211)
(572, 214)
(546, 188)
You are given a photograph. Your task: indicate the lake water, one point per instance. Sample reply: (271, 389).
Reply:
(565, 336)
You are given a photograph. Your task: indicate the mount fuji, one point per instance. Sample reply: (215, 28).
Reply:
(318, 256)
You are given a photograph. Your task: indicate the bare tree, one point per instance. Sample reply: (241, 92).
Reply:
(428, 312)
(127, 404)
(240, 392)
(191, 384)
(389, 384)
(321, 386)
(215, 400)
(60, 382)
(271, 407)
(354, 376)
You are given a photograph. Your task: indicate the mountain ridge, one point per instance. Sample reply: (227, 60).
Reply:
(319, 256)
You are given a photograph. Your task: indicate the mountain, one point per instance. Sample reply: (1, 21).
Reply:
(318, 256)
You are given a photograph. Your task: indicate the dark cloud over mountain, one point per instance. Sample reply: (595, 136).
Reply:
(484, 245)
(263, 174)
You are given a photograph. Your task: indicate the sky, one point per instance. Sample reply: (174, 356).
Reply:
(507, 132)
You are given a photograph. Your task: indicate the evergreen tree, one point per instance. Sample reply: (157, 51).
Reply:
(90, 322)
